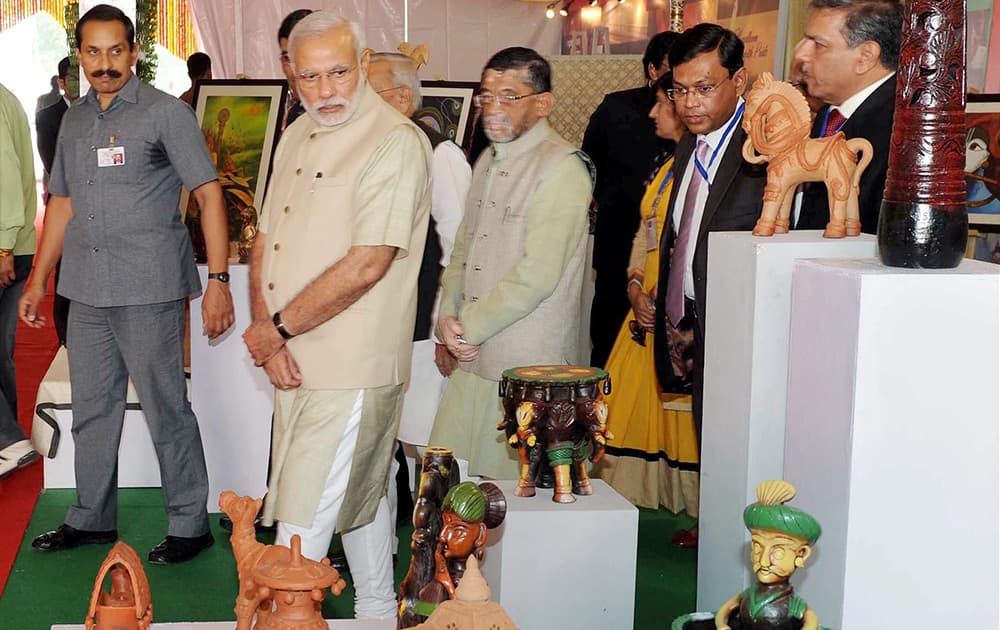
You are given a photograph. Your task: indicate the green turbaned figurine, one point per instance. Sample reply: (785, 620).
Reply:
(781, 538)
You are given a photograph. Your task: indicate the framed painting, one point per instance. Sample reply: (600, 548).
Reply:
(241, 122)
(447, 108)
(982, 158)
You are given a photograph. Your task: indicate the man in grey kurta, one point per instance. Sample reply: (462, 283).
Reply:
(511, 293)
(123, 152)
(333, 290)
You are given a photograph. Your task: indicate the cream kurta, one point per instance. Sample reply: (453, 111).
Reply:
(514, 281)
(364, 182)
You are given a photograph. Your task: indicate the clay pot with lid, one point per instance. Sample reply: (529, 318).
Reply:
(296, 586)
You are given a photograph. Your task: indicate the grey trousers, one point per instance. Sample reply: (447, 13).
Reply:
(10, 431)
(106, 346)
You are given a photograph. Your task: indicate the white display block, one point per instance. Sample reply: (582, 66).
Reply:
(554, 565)
(51, 433)
(892, 441)
(232, 398)
(746, 371)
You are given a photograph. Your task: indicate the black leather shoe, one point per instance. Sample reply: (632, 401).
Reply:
(338, 560)
(177, 549)
(66, 537)
(226, 523)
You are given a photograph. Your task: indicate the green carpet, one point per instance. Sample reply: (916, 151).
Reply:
(46, 589)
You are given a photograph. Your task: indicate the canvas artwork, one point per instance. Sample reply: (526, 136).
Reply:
(982, 158)
(978, 21)
(447, 108)
(241, 123)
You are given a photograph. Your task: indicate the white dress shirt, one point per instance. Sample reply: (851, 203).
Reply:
(717, 141)
(847, 109)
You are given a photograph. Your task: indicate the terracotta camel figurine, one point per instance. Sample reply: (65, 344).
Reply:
(249, 554)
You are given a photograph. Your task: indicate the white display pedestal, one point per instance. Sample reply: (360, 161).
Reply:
(892, 441)
(232, 398)
(51, 434)
(746, 370)
(554, 565)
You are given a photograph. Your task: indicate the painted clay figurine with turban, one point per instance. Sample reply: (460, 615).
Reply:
(781, 543)
(468, 511)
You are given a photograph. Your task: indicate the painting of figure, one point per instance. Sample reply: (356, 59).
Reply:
(240, 122)
(982, 158)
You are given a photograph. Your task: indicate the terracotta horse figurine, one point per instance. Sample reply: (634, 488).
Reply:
(249, 554)
(777, 123)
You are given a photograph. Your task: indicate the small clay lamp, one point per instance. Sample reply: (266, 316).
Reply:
(296, 586)
(471, 609)
(128, 605)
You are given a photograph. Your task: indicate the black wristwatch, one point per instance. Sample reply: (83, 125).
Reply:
(222, 276)
(281, 326)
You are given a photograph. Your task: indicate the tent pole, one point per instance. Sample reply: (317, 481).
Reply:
(238, 19)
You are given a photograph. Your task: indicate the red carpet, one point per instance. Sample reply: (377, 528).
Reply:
(33, 353)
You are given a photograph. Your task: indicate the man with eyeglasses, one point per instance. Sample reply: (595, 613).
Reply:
(293, 107)
(511, 294)
(848, 56)
(394, 77)
(333, 293)
(717, 190)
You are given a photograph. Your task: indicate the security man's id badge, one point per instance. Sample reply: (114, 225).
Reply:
(111, 156)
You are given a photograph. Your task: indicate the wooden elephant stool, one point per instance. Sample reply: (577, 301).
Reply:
(555, 415)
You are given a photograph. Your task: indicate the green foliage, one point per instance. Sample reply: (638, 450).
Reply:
(145, 35)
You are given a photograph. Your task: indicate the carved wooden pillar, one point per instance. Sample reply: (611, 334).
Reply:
(924, 221)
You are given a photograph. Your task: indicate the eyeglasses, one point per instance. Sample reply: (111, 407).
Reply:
(501, 100)
(337, 75)
(395, 87)
(701, 92)
(283, 57)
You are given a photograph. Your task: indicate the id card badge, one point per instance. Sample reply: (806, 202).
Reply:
(651, 241)
(111, 156)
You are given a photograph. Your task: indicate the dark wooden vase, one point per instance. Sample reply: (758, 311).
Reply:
(924, 222)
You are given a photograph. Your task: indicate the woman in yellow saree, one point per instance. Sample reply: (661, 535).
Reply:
(652, 459)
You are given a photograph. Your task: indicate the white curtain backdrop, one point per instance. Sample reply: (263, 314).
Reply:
(461, 34)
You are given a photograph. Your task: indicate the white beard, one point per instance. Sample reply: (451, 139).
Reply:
(348, 106)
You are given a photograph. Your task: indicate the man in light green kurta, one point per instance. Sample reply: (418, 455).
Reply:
(511, 293)
(17, 248)
(333, 286)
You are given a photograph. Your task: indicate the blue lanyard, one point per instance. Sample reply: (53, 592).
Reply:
(659, 194)
(729, 129)
(826, 118)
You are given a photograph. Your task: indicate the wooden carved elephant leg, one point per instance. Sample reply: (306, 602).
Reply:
(581, 481)
(561, 457)
(526, 483)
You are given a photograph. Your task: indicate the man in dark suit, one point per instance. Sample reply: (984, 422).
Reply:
(849, 56)
(293, 107)
(47, 123)
(716, 191)
(48, 119)
(622, 142)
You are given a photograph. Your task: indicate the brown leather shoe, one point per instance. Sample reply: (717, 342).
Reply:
(66, 537)
(177, 549)
(685, 538)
